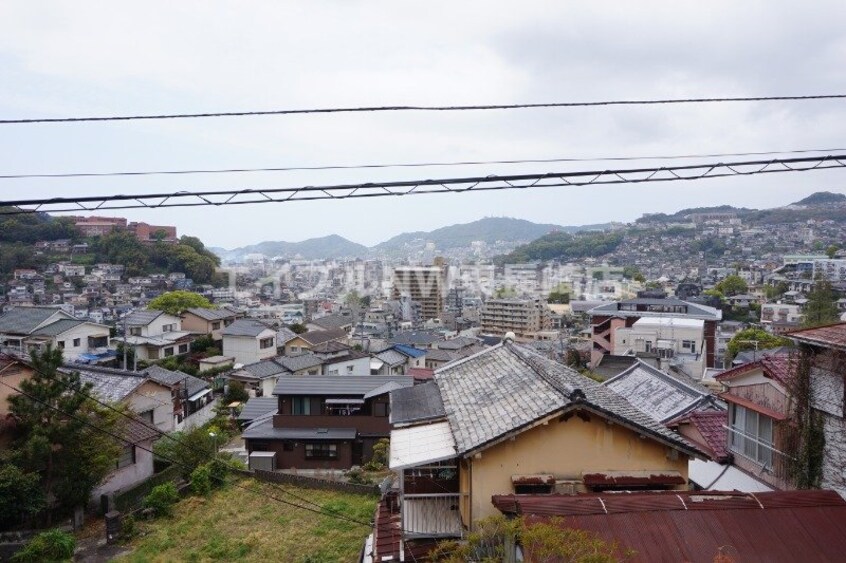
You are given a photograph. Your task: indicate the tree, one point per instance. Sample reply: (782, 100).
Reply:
(732, 285)
(821, 308)
(746, 339)
(188, 449)
(832, 250)
(175, 302)
(21, 497)
(298, 328)
(236, 393)
(71, 456)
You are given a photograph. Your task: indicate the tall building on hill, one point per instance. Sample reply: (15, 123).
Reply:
(423, 284)
(524, 317)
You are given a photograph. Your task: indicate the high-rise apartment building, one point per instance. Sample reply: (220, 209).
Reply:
(423, 284)
(524, 317)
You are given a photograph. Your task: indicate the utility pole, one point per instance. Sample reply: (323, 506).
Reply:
(125, 343)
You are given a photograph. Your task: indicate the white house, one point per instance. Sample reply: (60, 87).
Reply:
(24, 329)
(248, 341)
(154, 335)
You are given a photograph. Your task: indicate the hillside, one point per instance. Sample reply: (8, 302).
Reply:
(564, 246)
(328, 247)
(822, 198)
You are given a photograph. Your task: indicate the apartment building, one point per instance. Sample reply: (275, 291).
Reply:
(424, 284)
(526, 318)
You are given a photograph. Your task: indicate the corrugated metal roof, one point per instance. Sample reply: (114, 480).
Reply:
(830, 336)
(784, 526)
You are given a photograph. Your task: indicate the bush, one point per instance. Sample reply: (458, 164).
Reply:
(161, 499)
(357, 476)
(54, 545)
(236, 392)
(201, 480)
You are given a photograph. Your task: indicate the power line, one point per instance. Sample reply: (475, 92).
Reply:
(418, 187)
(398, 108)
(322, 511)
(403, 165)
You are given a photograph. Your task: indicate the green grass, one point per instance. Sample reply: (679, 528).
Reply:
(235, 525)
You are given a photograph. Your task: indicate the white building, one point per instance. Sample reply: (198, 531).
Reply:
(674, 341)
(249, 341)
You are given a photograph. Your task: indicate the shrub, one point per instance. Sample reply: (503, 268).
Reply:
(53, 545)
(380, 456)
(201, 480)
(161, 499)
(356, 476)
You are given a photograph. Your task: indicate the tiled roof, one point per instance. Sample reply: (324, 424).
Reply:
(172, 378)
(416, 338)
(330, 322)
(656, 393)
(58, 327)
(23, 320)
(416, 404)
(264, 368)
(712, 426)
(245, 327)
(392, 357)
(752, 355)
(409, 351)
(142, 317)
(336, 384)
(830, 336)
(112, 386)
(211, 314)
(330, 347)
(457, 343)
(314, 337)
(299, 362)
(782, 526)
(775, 367)
(258, 406)
(137, 432)
(506, 388)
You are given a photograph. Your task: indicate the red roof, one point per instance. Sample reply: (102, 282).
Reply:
(421, 374)
(712, 426)
(387, 534)
(830, 336)
(693, 526)
(775, 367)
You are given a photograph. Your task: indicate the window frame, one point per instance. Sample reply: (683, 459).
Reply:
(325, 450)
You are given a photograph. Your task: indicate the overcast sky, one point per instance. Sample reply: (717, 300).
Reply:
(61, 59)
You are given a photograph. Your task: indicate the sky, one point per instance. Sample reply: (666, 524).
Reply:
(80, 58)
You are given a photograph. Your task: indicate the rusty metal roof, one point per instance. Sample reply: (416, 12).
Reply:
(829, 336)
(778, 367)
(387, 535)
(693, 526)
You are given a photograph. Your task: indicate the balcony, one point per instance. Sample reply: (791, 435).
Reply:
(431, 516)
(362, 423)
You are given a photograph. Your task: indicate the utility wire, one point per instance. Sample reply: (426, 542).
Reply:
(155, 429)
(404, 165)
(417, 187)
(397, 108)
(128, 442)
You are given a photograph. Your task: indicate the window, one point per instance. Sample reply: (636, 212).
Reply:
(147, 416)
(295, 348)
(265, 343)
(169, 328)
(126, 458)
(532, 489)
(321, 451)
(215, 325)
(332, 372)
(168, 352)
(689, 345)
(380, 409)
(349, 369)
(301, 405)
(61, 344)
(648, 346)
(135, 331)
(76, 342)
(183, 348)
(751, 435)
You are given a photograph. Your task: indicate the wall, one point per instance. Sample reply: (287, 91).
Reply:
(12, 375)
(155, 328)
(129, 476)
(82, 332)
(566, 450)
(245, 349)
(296, 458)
(152, 395)
(296, 346)
(360, 366)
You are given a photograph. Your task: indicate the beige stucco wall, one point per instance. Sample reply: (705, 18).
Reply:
(566, 450)
(11, 376)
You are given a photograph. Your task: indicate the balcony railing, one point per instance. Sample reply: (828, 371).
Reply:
(431, 516)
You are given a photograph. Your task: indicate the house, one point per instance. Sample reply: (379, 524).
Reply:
(697, 526)
(258, 407)
(758, 397)
(516, 422)
(388, 362)
(606, 319)
(24, 329)
(154, 335)
(308, 340)
(342, 321)
(325, 422)
(210, 322)
(249, 341)
(825, 349)
(259, 378)
(660, 395)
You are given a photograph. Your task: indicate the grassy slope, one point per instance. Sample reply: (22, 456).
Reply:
(235, 525)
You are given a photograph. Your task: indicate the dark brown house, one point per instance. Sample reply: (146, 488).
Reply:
(325, 422)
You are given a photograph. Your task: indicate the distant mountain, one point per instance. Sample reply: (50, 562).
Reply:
(328, 247)
(489, 230)
(822, 198)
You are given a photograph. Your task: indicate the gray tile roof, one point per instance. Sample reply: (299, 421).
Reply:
(23, 320)
(264, 368)
(211, 314)
(330, 347)
(142, 317)
(173, 378)
(108, 384)
(336, 384)
(416, 404)
(258, 406)
(330, 322)
(245, 327)
(506, 388)
(264, 430)
(319, 336)
(656, 393)
(392, 357)
(416, 338)
(457, 343)
(58, 327)
(300, 361)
